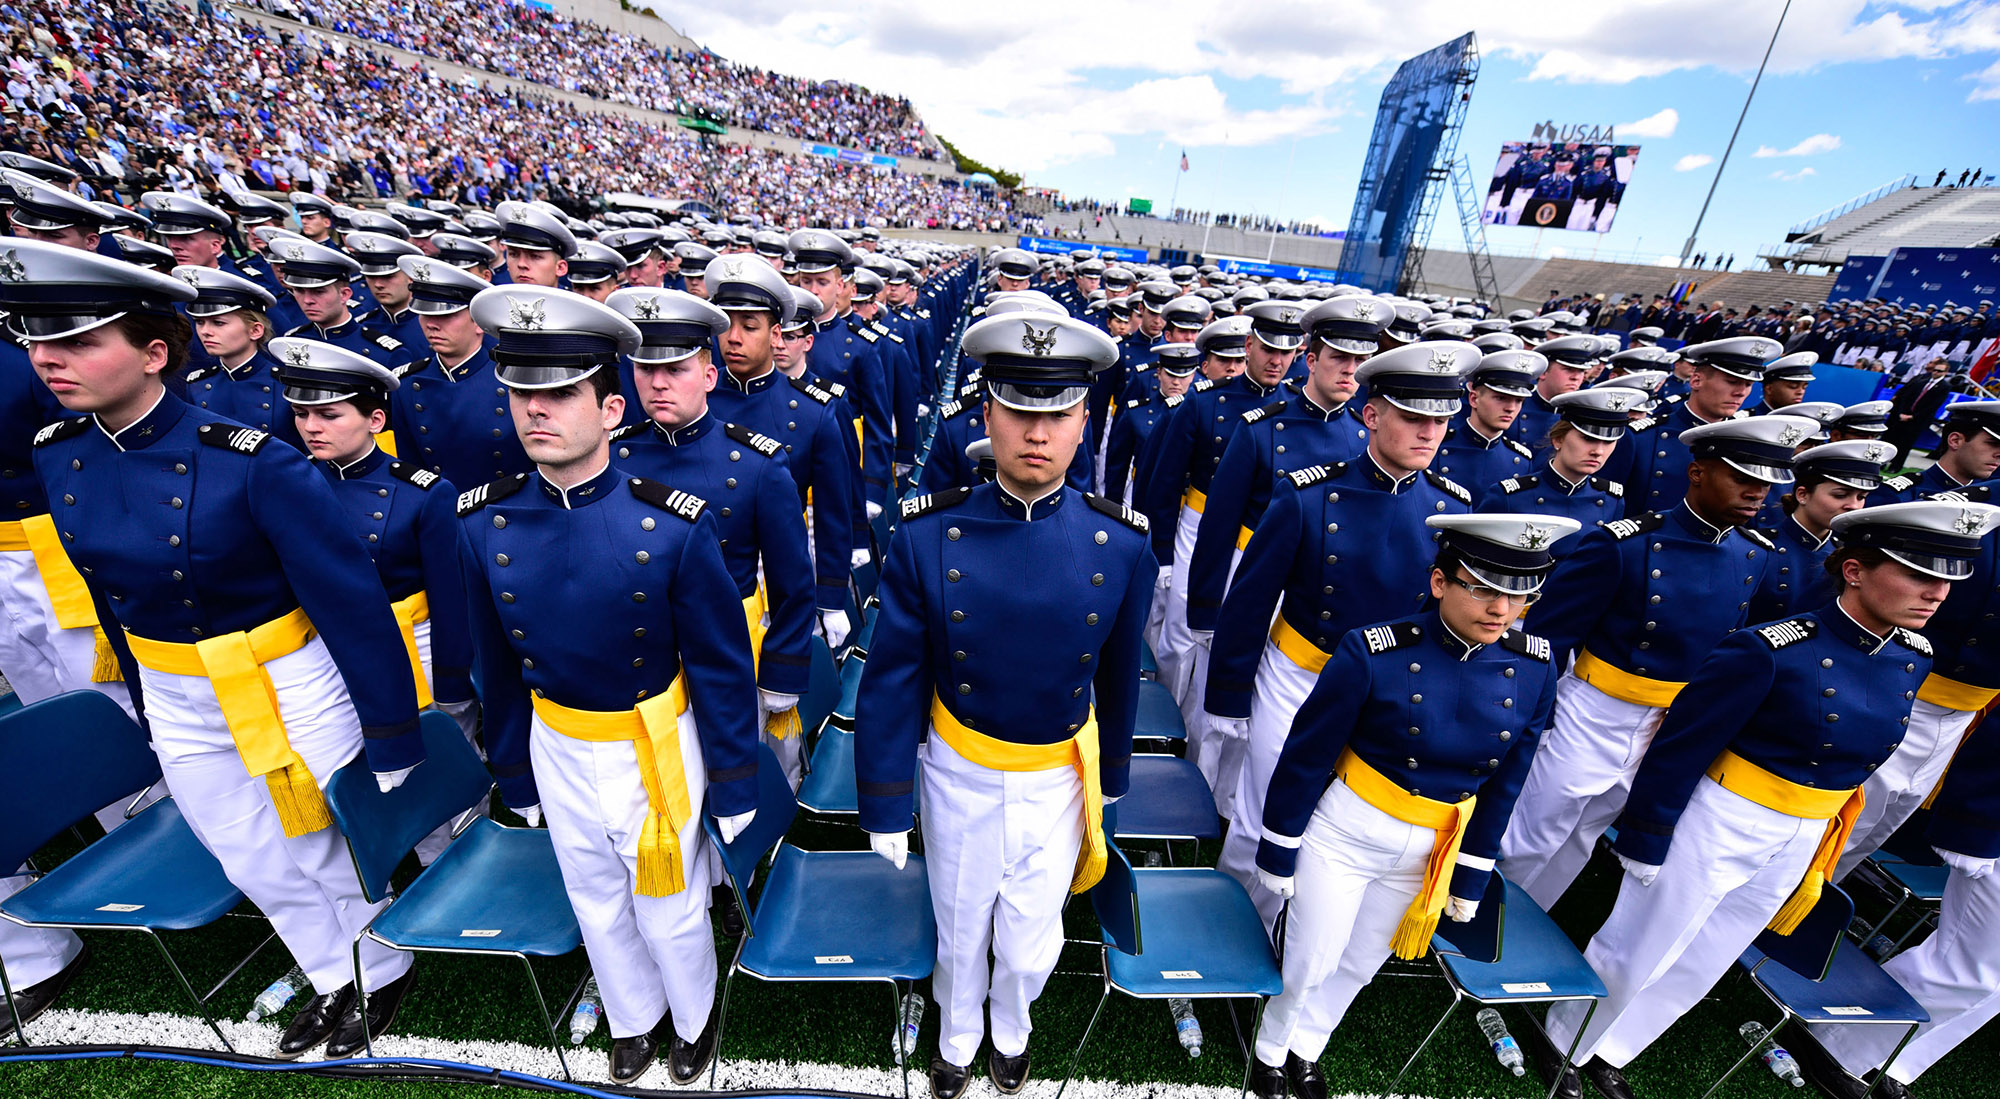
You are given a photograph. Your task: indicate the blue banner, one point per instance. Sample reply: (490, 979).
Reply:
(1856, 280)
(1933, 276)
(1275, 270)
(847, 156)
(1054, 247)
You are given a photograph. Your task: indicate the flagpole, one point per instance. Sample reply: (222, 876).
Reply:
(1174, 203)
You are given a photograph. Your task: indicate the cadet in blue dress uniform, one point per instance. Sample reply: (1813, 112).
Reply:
(1652, 462)
(1570, 359)
(1639, 603)
(1969, 452)
(742, 474)
(1477, 452)
(898, 357)
(1132, 427)
(1866, 420)
(230, 316)
(39, 210)
(198, 236)
(538, 242)
(595, 270)
(317, 277)
(450, 414)
(1027, 690)
(625, 754)
(1387, 801)
(1830, 480)
(843, 354)
(1748, 792)
(190, 528)
(380, 256)
(1340, 546)
(1567, 482)
(472, 256)
(962, 421)
(1785, 382)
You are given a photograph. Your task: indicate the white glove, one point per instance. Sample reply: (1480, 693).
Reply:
(874, 510)
(775, 703)
(1232, 728)
(923, 409)
(1166, 578)
(732, 827)
(1972, 868)
(835, 626)
(532, 814)
(860, 556)
(1204, 638)
(1637, 869)
(1272, 882)
(1460, 910)
(894, 846)
(466, 714)
(392, 779)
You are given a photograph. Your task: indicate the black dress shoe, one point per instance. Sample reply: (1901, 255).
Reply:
(349, 1039)
(315, 1022)
(1549, 1063)
(723, 900)
(687, 1060)
(36, 998)
(1010, 1074)
(1888, 1087)
(631, 1057)
(1606, 1078)
(948, 1080)
(1823, 1069)
(1267, 1081)
(1305, 1078)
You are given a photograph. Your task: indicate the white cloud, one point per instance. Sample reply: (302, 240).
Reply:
(1817, 143)
(1692, 161)
(1793, 177)
(1662, 124)
(1986, 84)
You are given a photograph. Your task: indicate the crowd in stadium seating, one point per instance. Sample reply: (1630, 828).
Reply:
(581, 56)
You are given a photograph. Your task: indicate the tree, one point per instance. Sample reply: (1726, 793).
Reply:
(967, 165)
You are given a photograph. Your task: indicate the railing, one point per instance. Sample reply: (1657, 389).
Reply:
(1829, 254)
(1851, 205)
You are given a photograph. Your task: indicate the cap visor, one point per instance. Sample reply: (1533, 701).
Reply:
(1020, 401)
(1351, 347)
(1436, 407)
(35, 328)
(1944, 568)
(541, 377)
(1770, 474)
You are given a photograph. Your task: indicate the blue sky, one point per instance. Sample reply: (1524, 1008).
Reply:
(1273, 101)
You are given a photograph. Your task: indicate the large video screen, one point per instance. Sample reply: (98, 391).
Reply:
(1544, 185)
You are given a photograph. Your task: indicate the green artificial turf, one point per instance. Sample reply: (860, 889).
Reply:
(850, 1024)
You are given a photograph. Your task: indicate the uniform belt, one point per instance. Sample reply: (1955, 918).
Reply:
(1413, 935)
(1196, 499)
(68, 597)
(1623, 685)
(409, 612)
(756, 608)
(1953, 695)
(1838, 808)
(234, 665)
(1079, 752)
(1294, 645)
(653, 727)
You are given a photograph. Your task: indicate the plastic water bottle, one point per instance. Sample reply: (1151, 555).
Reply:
(1774, 1056)
(911, 1021)
(280, 993)
(1503, 1043)
(589, 1008)
(1187, 1028)
(1880, 948)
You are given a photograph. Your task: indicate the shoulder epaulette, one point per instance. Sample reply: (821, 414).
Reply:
(931, 501)
(415, 474)
(1977, 494)
(811, 390)
(1622, 529)
(385, 341)
(762, 444)
(868, 334)
(1914, 640)
(1513, 485)
(402, 370)
(1675, 399)
(1202, 386)
(631, 431)
(835, 388)
(1517, 446)
(1898, 483)
(1646, 424)
(1740, 414)
(1608, 486)
(956, 408)
(198, 373)
(1791, 631)
(1141, 402)
(1312, 475)
(1449, 486)
(1532, 646)
(1390, 637)
(1265, 412)
(243, 440)
(1758, 537)
(684, 504)
(1119, 512)
(1174, 401)
(60, 430)
(492, 492)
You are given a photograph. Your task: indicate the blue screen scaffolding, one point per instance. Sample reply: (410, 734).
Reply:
(1409, 160)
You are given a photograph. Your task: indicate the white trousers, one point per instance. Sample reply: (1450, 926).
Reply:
(1176, 669)
(32, 954)
(1359, 869)
(1282, 687)
(1219, 758)
(1576, 787)
(1955, 974)
(1898, 788)
(1000, 848)
(305, 885)
(1732, 865)
(651, 955)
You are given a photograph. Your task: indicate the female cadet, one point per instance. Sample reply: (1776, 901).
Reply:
(258, 634)
(1589, 423)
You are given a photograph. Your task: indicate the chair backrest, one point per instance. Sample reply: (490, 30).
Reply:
(775, 809)
(1115, 899)
(77, 752)
(1808, 950)
(842, 714)
(866, 578)
(1478, 939)
(822, 688)
(382, 828)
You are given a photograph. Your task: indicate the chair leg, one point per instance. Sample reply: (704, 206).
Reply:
(722, 1017)
(1876, 1085)
(13, 1009)
(188, 988)
(542, 1007)
(1569, 1055)
(1256, 1024)
(361, 996)
(1088, 1027)
(1457, 995)
(1745, 1059)
(896, 993)
(247, 958)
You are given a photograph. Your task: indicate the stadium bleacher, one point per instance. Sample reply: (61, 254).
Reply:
(1944, 217)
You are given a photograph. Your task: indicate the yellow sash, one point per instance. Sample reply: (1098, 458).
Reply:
(1838, 808)
(387, 441)
(1294, 645)
(68, 596)
(1420, 920)
(1196, 499)
(756, 606)
(1243, 538)
(1953, 695)
(653, 727)
(1079, 751)
(234, 666)
(1623, 685)
(409, 612)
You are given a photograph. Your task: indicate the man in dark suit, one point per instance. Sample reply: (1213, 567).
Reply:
(1915, 406)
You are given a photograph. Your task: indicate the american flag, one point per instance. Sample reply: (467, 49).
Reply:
(1183, 160)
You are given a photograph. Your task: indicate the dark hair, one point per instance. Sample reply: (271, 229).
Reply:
(604, 383)
(141, 329)
(368, 404)
(1867, 557)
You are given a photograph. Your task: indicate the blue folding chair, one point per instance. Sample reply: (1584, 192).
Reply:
(148, 875)
(864, 632)
(493, 886)
(1510, 953)
(1904, 882)
(1167, 800)
(821, 696)
(1158, 716)
(1814, 975)
(1149, 665)
(823, 915)
(1203, 941)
